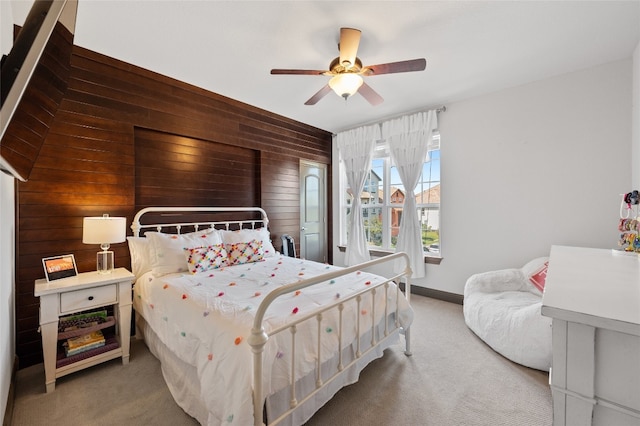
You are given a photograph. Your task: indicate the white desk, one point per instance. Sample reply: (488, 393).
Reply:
(593, 297)
(85, 291)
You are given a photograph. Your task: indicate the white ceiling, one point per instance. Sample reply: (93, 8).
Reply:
(471, 47)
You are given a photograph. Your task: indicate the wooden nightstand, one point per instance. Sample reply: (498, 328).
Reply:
(86, 291)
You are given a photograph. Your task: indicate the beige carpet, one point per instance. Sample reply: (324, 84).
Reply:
(453, 378)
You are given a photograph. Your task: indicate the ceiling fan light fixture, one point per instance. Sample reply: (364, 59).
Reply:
(345, 85)
(347, 71)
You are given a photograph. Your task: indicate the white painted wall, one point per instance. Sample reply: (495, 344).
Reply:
(7, 286)
(528, 167)
(635, 157)
(7, 238)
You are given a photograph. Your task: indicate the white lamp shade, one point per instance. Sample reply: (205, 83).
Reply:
(104, 230)
(346, 84)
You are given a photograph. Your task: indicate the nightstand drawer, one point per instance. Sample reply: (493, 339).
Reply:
(88, 298)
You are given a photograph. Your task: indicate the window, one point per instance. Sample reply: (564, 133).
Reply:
(383, 196)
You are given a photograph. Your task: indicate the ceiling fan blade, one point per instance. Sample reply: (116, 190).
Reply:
(370, 95)
(395, 67)
(298, 72)
(319, 95)
(349, 42)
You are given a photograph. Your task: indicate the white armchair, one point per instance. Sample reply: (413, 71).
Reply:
(503, 308)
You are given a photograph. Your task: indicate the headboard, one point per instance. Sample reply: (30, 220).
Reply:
(194, 218)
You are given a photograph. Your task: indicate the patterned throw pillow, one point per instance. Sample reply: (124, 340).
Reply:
(200, 259)
(240, 253)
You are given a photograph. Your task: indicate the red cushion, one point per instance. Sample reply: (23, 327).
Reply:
(539, 277)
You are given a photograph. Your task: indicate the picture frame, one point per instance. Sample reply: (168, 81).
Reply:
(57, 267)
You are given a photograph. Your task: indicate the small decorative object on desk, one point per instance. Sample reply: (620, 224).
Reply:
(57, 267)
(104, 230)
(629, 224)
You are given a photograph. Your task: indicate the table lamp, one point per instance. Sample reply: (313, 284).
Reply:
(104, 230)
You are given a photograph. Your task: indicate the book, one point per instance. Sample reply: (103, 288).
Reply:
(78, 321)
(102, 313)
(81, 349)
(83, 343)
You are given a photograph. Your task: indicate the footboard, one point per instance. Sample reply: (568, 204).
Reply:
(259, 337)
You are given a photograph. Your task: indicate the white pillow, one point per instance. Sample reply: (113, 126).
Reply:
(167, 254)
(248, 235)
(140, 250)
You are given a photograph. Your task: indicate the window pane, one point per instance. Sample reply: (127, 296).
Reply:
(429, 197)
(312, 198)
(430, 221)
(434, 165)
(372, 218)
(396, 217)
(428, 189)
(374, 185)
(396, 189)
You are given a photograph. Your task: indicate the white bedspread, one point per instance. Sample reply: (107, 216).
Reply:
(206, 319)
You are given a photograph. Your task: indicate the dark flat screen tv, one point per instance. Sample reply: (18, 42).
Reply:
(33, 81)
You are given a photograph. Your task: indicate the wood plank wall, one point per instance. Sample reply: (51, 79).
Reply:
(194, 171)
(28, 128)
(88, 163)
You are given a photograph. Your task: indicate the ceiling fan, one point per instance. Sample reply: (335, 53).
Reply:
(346, 71)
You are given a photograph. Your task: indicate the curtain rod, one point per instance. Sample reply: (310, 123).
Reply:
(443, 108)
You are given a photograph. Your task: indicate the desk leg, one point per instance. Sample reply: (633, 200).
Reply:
(49, 350)
(124, 324)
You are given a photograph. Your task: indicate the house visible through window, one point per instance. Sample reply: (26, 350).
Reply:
(383, 196)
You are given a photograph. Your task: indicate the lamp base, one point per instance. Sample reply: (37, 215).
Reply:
(105, 262)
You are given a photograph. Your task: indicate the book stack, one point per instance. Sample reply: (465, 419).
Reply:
(76, 345)
(83, 332)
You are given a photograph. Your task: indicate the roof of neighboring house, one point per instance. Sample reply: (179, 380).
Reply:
(372, 172)
(431, 195)
(395, 189)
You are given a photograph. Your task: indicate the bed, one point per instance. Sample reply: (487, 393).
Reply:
(246, 335)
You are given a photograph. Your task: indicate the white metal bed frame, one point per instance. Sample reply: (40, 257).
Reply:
(259, 336)
(137, 226)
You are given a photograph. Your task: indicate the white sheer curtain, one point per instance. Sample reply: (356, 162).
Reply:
(408, 139)
(356, 147)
